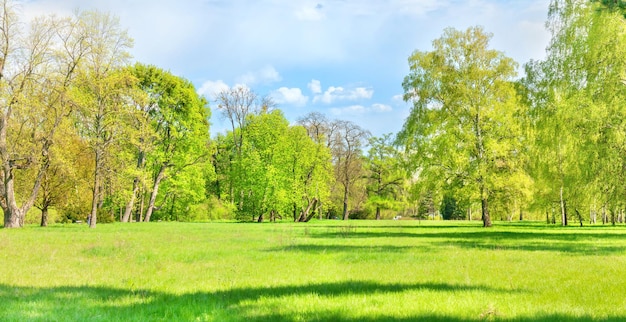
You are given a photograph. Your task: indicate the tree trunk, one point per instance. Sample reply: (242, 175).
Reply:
(521, 215)
(309, 212)
(613, 218)
(131, 203)
(377, 213)
(141, 206)
(563, 209)
(592, 216)
(155, 191)
(44, 216)
(12, 217)
(295, 212)
(12, 213)
(485, 208)
(93, 216)
(346, 189)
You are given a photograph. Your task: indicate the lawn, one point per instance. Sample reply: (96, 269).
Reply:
(318, 271)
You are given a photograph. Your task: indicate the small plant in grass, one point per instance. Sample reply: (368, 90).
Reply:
(346, 231)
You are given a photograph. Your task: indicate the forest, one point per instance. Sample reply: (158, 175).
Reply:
(88, 135)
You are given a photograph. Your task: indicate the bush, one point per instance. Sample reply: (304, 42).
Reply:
(450, 210)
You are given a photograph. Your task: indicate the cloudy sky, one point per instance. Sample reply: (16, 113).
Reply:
(344, 58)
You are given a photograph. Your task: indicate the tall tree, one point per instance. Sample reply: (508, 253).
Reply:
(463, 122)
(237, 105)
(37, 66)
(178, 131)
(575, 96)
(385, 172)
(101, 95)
(347, 146)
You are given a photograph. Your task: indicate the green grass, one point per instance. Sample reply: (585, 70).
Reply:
(320, 271)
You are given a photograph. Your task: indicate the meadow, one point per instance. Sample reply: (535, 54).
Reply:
(318, 271)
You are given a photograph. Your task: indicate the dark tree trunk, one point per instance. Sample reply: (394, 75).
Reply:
(260, 218)
(580, 217)
(309, 212)
(613, 218)
(295, 212)
(346, 190)
(44, 216)
(377, 213)
(485, 208)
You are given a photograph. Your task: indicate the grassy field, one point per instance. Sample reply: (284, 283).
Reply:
(320, 271)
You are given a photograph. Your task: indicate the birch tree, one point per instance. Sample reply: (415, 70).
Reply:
(462, 124)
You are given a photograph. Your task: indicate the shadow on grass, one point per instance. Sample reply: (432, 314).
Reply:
(573, 242)
(314, 249)
(95, 303)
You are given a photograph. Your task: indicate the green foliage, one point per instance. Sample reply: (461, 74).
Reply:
(463, 129)
(577, 114)
(450, 209)
(385, 173)
(279, 170)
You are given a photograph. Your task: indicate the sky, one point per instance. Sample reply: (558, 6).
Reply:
(343, 58)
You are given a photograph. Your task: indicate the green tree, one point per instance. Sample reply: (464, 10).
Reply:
(450, 209)
(37, 66)
(310, 173)
(576, 97)
(177, 133)
(236, 105)
(347, 145)
(385, 173)
(463, 125)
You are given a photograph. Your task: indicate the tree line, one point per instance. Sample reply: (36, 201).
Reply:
(87, 135)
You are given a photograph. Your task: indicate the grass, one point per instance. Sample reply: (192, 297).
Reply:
(320, 271)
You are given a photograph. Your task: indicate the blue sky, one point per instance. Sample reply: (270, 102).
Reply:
(344, 58)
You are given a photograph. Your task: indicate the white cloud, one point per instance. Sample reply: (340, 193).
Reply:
(265, 75)
(315, 86)
(292, 96)
(210, 88)
(398, 98)
(381, 107)
(333, 94)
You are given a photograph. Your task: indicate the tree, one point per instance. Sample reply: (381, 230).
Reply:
(310, 167)
(100, 95)
(236, 105)
(347, 144)
(177, 132)
(385, 173)
(37, 68)
(576, 97)
(462, 127)
(450, 209)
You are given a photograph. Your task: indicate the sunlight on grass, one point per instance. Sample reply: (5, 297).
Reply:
(354, 271)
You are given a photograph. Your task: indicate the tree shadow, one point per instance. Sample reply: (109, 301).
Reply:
(587, 242)
(98, 303)
(315, 249)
